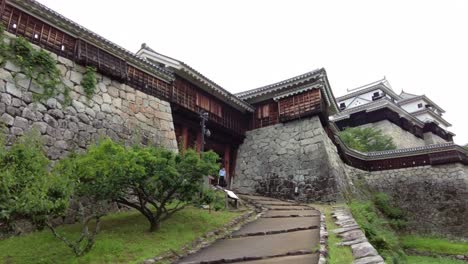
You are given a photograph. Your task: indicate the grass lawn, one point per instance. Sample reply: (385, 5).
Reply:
(435, 245)
(124, 238)
(336, 254)
(429, 260)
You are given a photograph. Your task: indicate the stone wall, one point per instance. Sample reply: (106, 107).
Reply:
(401, 138)
(275, 160)
(435, 198)
(116, 110)
(431, 138)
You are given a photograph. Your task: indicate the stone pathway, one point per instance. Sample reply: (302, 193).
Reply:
(351, 234)
(284, 233)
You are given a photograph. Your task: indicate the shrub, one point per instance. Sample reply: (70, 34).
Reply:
(366, 139)
(215, 199)
(154, 181)
(377, 231)
(27, 188)
(89, 81)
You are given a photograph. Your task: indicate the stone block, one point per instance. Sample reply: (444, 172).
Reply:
(79, 107)
(76, 77)
(40, 126)
(12, 89)
(65, 61)
(6, 76)
(113, 91)
(10, 66)
(7, 119)
(6, 99)
(107, 98)
(21, 123)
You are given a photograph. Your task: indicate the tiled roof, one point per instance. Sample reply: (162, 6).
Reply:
(203, 80)
(320, 75)
(280, 85)
(380, 84)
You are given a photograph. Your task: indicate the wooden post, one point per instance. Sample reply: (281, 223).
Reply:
(227, 159)
(199, 141)
(185, 137)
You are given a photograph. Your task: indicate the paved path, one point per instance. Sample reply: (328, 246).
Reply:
(286, 233)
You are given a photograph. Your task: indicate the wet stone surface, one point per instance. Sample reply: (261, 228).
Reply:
(279, 225)
(280, 239)
(300, 259)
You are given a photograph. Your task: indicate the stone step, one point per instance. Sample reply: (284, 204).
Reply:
(291, 213)
(274, 225)
(299, 259)
(240, 249)
(257, 198)
(274, 203)
(291, 207)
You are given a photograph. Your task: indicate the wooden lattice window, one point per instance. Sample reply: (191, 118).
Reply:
(203, 102)
(105, 62)
(216, 108)
(38, 32)
(148, 83)
(263, 111)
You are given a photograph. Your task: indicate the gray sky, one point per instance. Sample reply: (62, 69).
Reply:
(420, 46)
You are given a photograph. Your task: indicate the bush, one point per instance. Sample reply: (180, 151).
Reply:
(213, 198)
(395, 215)
(377, 231)
(27, 188)
(154, 181)
(366, 139)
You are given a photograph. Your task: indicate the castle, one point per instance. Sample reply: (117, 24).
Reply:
(278, 140)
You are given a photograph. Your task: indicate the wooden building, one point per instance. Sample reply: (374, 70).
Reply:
(189, 92)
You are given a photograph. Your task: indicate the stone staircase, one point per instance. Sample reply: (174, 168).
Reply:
(285, 232)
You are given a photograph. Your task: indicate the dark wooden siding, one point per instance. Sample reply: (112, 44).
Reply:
(148, 84)
(193, 98)
(38, 32)
(266, 114)
(300, 105)
(108, 64)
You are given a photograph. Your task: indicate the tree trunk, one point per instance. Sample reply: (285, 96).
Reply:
(155, 225)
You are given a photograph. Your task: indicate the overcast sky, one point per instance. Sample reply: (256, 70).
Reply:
(420, 46)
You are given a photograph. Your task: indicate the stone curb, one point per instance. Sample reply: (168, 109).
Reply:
(323, 254)
(208, 238)
(352, 235)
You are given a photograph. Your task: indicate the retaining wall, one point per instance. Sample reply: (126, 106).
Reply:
(115, 110)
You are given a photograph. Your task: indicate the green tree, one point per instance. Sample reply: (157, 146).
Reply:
(366, 139)
(154, 181)
(27, 189)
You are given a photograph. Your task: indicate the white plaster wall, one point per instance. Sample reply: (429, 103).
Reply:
(413, 106)
(426, 117)
(360, 99)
